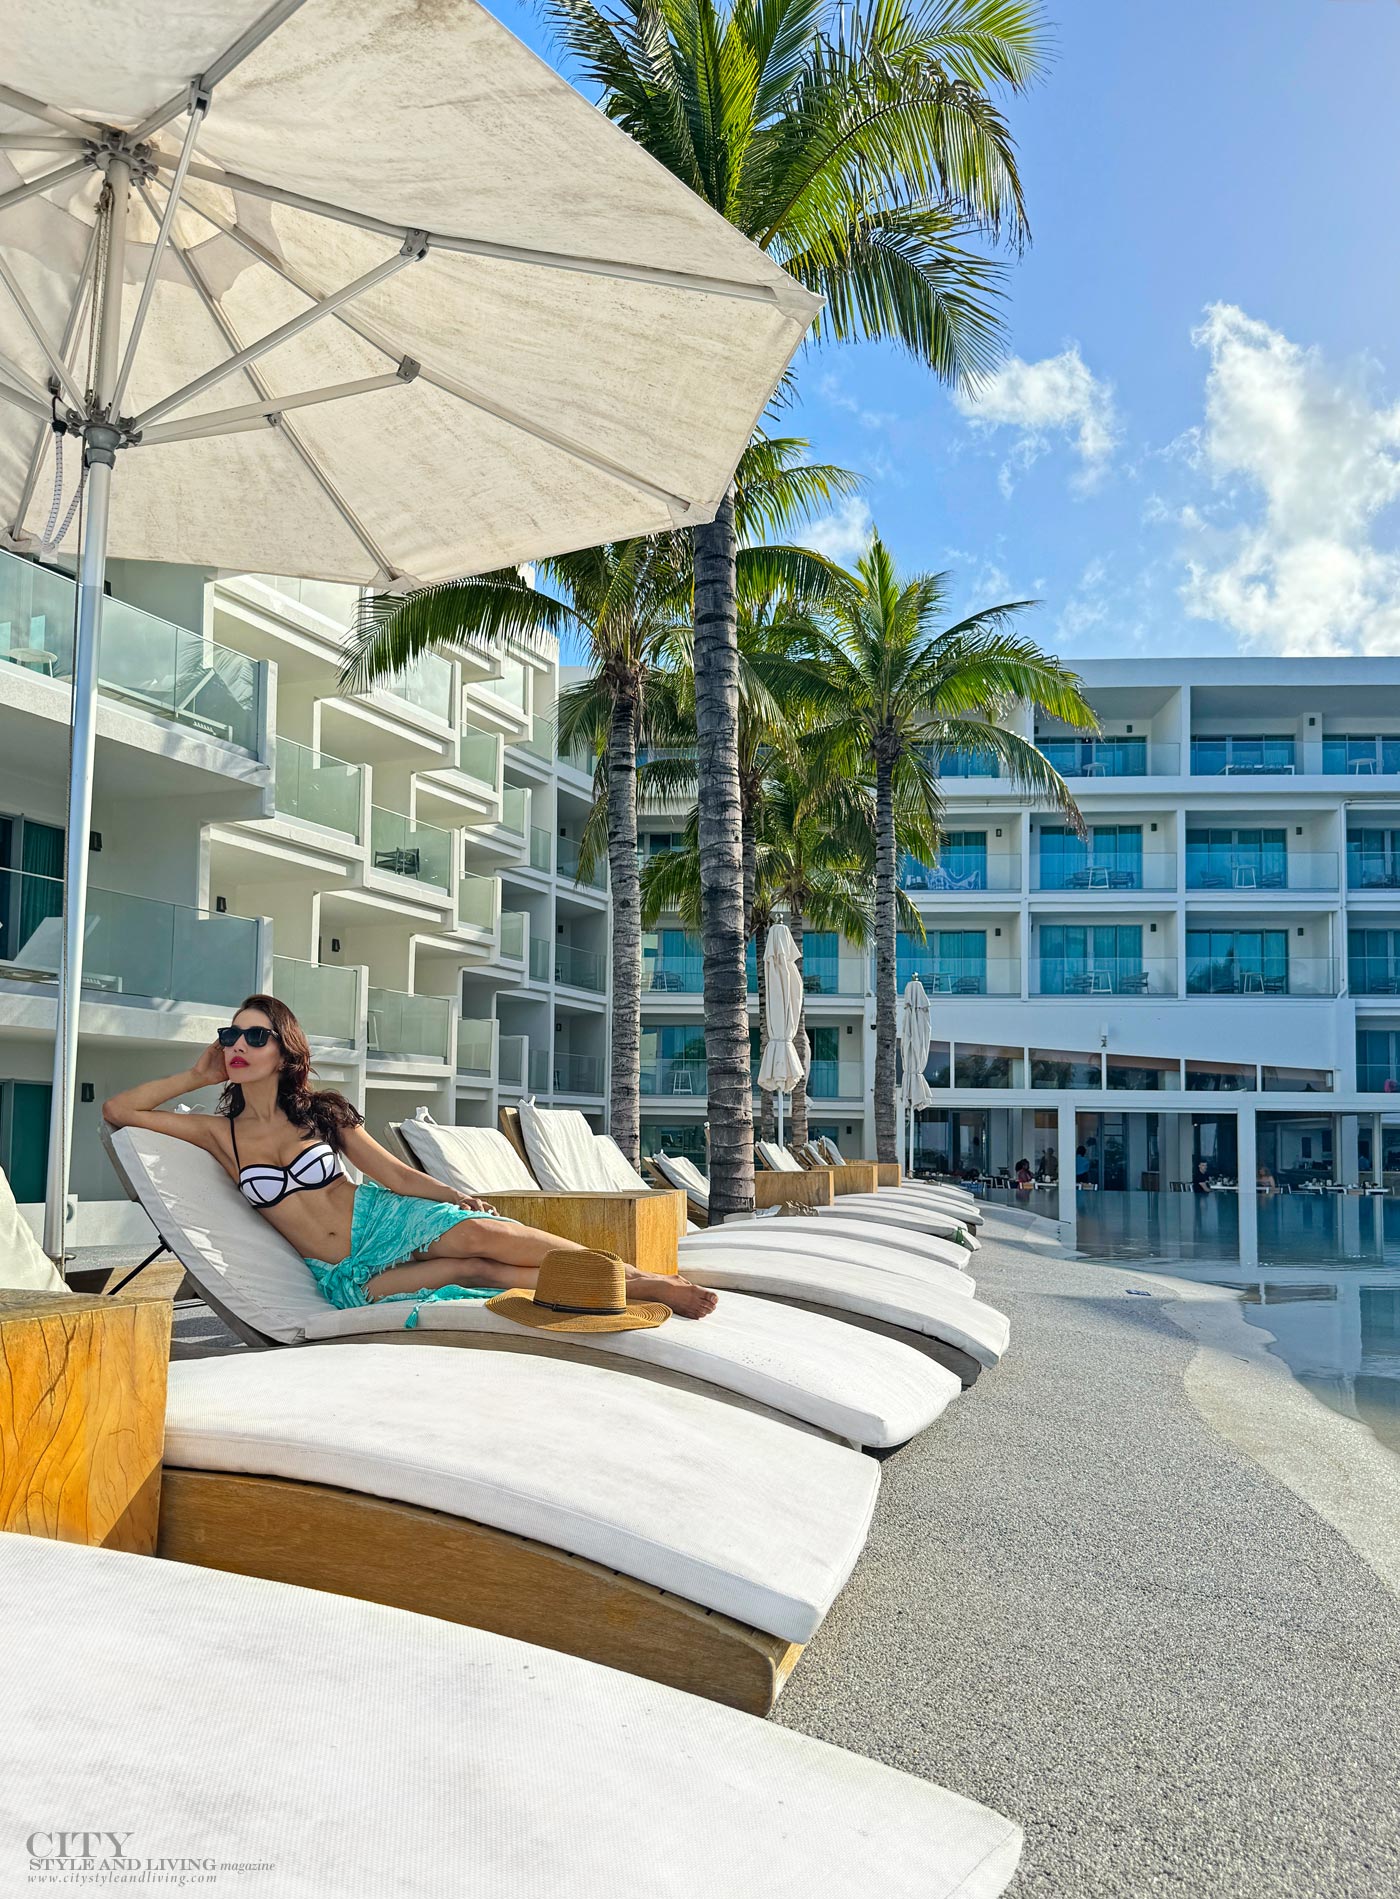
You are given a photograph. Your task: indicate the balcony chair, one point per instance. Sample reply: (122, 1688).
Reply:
(745, 1353)
(892, 1280)
(450, 1748)
(669, 1531)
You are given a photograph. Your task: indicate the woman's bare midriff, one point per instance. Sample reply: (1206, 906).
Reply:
(315, 1221)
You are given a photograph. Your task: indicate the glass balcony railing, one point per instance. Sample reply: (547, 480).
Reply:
(961, 976)
(134, 946)
(578, 1074)
(961, 764)
(836, 1081)
(1377, 1078)
(1373, 975)
(684, 974)
(476, 1047)
(541, 844)
(1243, 756)
(416, 1026)
(148, 663)
(511, 1056)
(964, 870)
(408, 848)
(1373, 870)
(541, 739)
(323, 997)
(318, 788)
(1137, 870)
(334, 600)
(426, 684)
(539, 959)
(539, 1070)
(1103, 976)
(515, 808)
(479, 757)
(1253, 867)
(834, 975)
(509, 684)
(514, 928)
(568, 860)
(579, 968)
(682, 1076)
(1111, 757)
(477, 898)
(1361, 757)
(1299, 976)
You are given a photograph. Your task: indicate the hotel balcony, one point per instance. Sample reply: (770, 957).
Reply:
(578, 1074)
(317, 788)
(477, 1049)
(1372, 870)
(1127, 757)
(136, 949)
(970, 976)
(568, 861)
(836, 1081)
(503, 700)
(512, 1061)
(408, 1028)
(1244, 755)
(962, 870)
(164, 674)
(478, 908)
(579, 968)
(540, 962)
(1103, 976)
(1097, 872)
(682, 1078)
(515, 931)
(1373, 975)
(1259, 867)
(324, 997)
(402, 847)
(541, 848)
(1306, 976)
(835, 976)
(538, 1071)
(467, 790)
(533, 751)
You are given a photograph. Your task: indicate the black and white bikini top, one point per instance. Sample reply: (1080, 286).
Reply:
(265, 1185)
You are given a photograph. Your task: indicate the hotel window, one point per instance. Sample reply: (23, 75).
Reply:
(962, 865)
(1373, 962)
(1110, 858)
(951, 961)
(1236, 962)
(1061, 1068)
(1223, 857)
(1247, 754)
(1378, 1061)
(1373, 857)
(685, 1138)
(821, 963)
(1143, 1074)
(1078, 959)
(1357, 755)
(1096, 758)
(1220, 1078)
(982, 1065)
(1296, 1081)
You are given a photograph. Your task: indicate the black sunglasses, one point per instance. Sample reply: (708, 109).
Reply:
(255, 1037)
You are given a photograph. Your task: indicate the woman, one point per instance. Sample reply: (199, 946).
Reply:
(400, 1234)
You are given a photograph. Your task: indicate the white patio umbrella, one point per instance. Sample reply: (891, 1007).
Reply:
(781, 1068)
(915, 1034)
(351, 291)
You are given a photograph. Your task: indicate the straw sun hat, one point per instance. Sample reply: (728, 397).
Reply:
(580, 1291)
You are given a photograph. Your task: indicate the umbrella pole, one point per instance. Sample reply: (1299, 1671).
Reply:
(99, 455)
(780, 1117)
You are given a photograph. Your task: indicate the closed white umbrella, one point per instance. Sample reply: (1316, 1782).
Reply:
(915, 1035)
(350, 291)
(781, 1068)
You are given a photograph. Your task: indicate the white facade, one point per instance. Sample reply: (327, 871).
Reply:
(397, 865)
(1222, 955)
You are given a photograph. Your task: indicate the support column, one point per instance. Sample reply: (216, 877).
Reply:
(1378, 1149)
(1247, 1148)
(1346, 1151)
(1064, 1143)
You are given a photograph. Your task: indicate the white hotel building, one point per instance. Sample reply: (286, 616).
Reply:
(398, 865)
(1213, 975)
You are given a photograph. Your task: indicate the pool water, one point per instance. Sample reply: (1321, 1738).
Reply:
(1327, 1287)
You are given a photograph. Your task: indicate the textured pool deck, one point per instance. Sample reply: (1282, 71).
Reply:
(1102, 1614)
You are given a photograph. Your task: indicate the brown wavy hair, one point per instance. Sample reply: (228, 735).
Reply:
(320, 1110)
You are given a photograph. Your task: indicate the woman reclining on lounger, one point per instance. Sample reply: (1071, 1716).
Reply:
(281, 1142)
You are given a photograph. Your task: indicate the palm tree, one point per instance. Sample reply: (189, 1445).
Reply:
(630, 601)
(896, 690)
(863, 161)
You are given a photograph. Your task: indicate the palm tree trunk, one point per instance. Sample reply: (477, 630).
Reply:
(767, 1121)
(750, 849)
(798, 1133)
(722, 867)
(624, 878)
(886, 1113)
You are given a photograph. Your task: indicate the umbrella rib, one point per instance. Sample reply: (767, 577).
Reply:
(51, 115)
(41, 336)
(323, 481)
(70, 330)
(23, 400)
(246, 43)
(449, 385)
(223, 421)
(33, 186)
(476, 246)
(199, 108)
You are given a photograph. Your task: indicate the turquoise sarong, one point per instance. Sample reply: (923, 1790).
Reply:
(387, 1229)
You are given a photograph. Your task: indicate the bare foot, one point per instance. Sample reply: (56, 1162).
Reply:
(685, 1300)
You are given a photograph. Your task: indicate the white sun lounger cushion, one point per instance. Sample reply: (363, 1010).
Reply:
(777, 1158)
(561, 1147)
(613, 1170)
(462, 1761)
(851, 1246)
(823, 1376)
(683, 1173)
(474, 1160)
(897, 1298)
(737, 1512)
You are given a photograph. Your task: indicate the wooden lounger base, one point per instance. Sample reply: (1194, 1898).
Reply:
(887, 1173)
(854, 1177)
(962, 1364)
(642, 1228)
(378, 1550)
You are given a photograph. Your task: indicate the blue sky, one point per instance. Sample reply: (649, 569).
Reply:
(1194, 442)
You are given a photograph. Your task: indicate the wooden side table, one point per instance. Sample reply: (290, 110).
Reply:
(82, 1417)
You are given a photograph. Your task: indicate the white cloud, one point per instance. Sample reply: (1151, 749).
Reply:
(1056, 397)
(836, 393)
(1301, 444)
(844, 534)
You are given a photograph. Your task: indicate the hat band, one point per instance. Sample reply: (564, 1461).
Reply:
(551, 1305)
